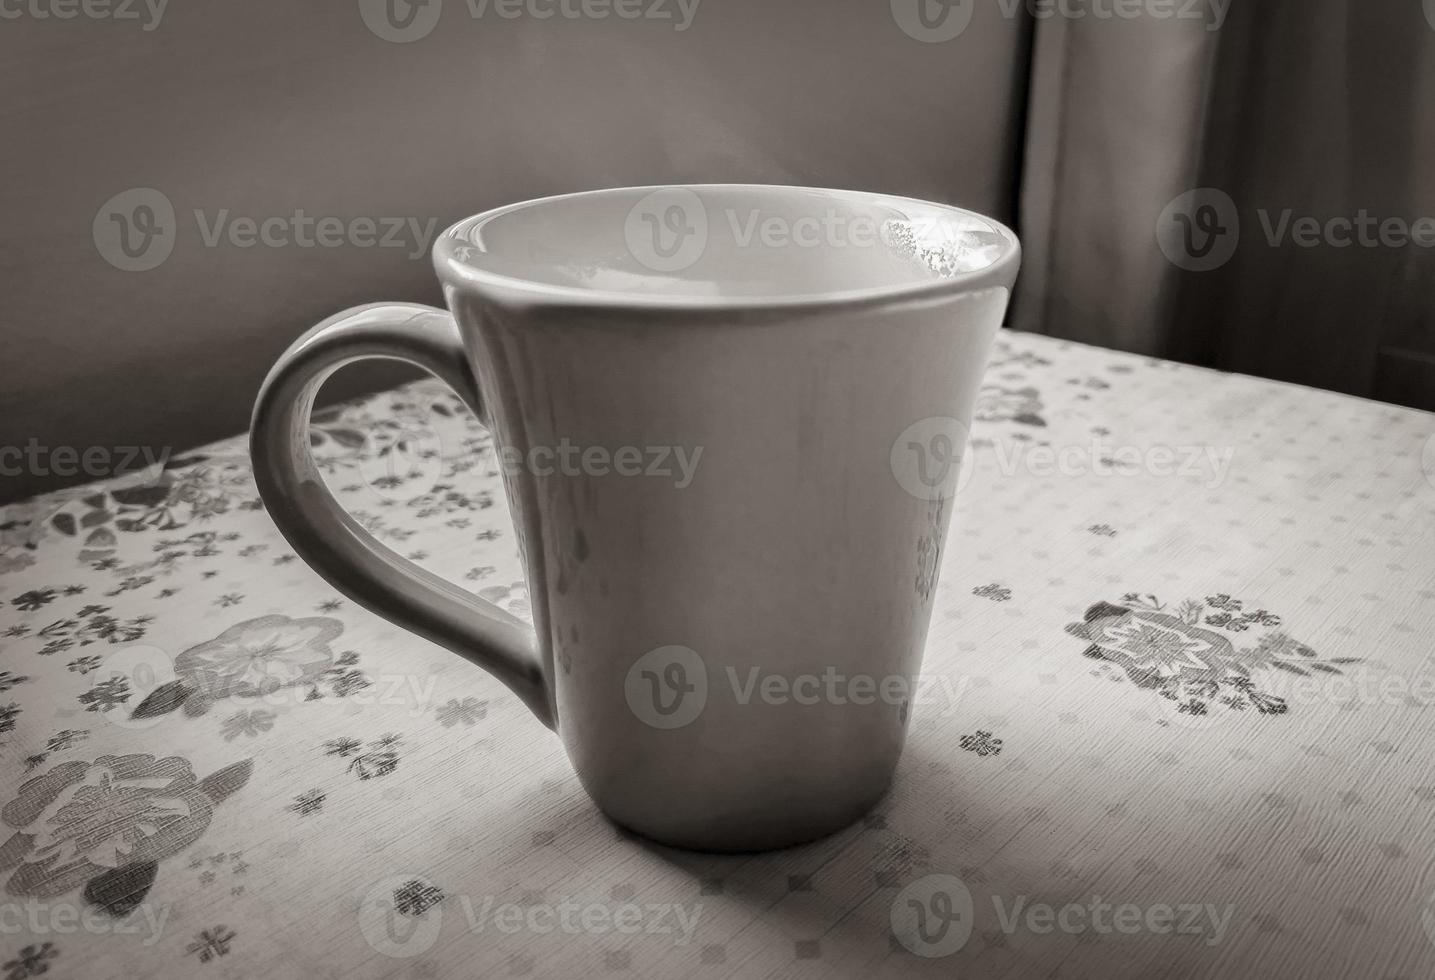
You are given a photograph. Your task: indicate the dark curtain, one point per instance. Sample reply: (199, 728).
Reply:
(1291, 111)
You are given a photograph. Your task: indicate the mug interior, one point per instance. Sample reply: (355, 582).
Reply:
(719, 243)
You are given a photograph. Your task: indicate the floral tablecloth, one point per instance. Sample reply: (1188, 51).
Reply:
(1184, 726)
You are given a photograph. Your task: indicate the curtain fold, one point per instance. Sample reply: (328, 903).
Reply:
(1113, 134)
(1274, 114)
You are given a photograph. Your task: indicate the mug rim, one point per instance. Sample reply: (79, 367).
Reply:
(456, 272)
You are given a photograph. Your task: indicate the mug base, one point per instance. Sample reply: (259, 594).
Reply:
(722, 838)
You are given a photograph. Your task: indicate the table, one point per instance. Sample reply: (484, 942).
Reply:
(1184, 728)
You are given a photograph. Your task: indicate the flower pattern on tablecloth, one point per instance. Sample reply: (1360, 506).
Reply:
(32, 961)
(377, 759)
(188, 491)
(108, 822)
(251, 659)
(211, 943)
(1003, 397)
(414, 766)
(1187, 657)
(406, 450)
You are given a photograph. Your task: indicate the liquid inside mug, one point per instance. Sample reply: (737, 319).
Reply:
(729, 652)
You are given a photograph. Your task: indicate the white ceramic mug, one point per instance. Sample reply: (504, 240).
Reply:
(724, 653)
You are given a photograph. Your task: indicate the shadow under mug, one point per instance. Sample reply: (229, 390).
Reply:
(729, 652)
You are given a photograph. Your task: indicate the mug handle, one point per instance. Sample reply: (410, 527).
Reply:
(337, 546)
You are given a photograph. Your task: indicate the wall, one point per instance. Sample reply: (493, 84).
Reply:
(264, 107)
